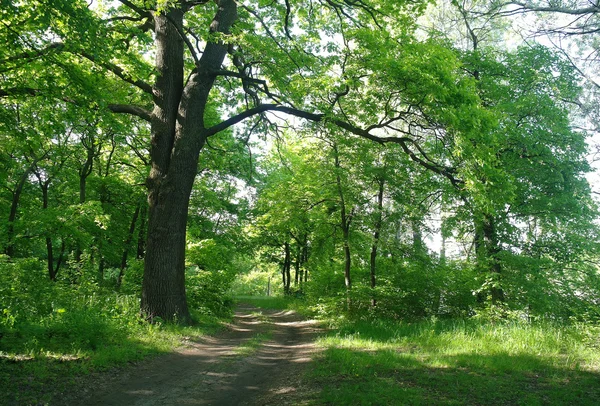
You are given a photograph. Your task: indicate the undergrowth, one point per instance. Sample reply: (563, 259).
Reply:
(53, 333)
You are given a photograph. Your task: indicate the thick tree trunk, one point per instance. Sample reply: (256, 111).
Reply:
(178, 135)
(163, 288)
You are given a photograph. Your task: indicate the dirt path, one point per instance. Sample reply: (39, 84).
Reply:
(258, 360)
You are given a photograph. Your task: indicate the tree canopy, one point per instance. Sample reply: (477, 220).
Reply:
(331, 138)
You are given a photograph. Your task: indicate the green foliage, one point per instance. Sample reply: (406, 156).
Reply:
(207, 291)
(263, 281)
(51, 332)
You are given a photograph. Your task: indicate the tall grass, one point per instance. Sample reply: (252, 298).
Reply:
(459, 362)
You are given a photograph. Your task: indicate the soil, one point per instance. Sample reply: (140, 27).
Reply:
(260, 359)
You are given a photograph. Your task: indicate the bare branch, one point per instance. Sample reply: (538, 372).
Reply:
(594, 8)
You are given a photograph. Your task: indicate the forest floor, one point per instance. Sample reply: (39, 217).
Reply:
(259, 359)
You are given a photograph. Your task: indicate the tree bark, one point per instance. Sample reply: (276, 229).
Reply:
(178, 134)
(285, 271)
(376, 233)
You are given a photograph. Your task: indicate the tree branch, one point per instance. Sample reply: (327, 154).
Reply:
(427, 163)
(118, 71)
(28, 55)
(130, 109)
(139, 10)
(594, 8)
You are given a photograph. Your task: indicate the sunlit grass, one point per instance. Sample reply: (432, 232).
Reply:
(252, 345)
(459, 362)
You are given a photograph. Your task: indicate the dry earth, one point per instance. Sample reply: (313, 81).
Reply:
(259, 359)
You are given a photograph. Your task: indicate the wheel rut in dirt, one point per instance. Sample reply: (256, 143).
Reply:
(258, 360)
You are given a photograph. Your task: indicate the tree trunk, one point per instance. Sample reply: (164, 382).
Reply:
(12, 216)
(287, 264)
(487, 250)
(493, 249)
(178, 134)
(297, 263)
(49, 248)
(418, 245)
(376, 233)
(127, 244)
(345, 220)
(305, 258)
(141, 239)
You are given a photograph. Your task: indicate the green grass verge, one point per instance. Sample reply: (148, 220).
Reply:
(458, 363)
(41, 361)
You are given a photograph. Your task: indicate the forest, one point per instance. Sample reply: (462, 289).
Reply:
(411, 173)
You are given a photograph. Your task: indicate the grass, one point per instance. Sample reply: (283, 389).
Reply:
(458, 363)
(41, 360)
(266, 302)
(252, 345)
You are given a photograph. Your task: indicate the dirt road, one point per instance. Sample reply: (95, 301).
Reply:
(258, 360)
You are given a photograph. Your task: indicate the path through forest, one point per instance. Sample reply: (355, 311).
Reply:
(258, 360)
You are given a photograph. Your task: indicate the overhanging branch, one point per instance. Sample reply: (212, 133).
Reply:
(404, 141)
(130, 109)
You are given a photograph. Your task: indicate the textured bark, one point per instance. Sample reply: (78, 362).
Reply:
(178, 135)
